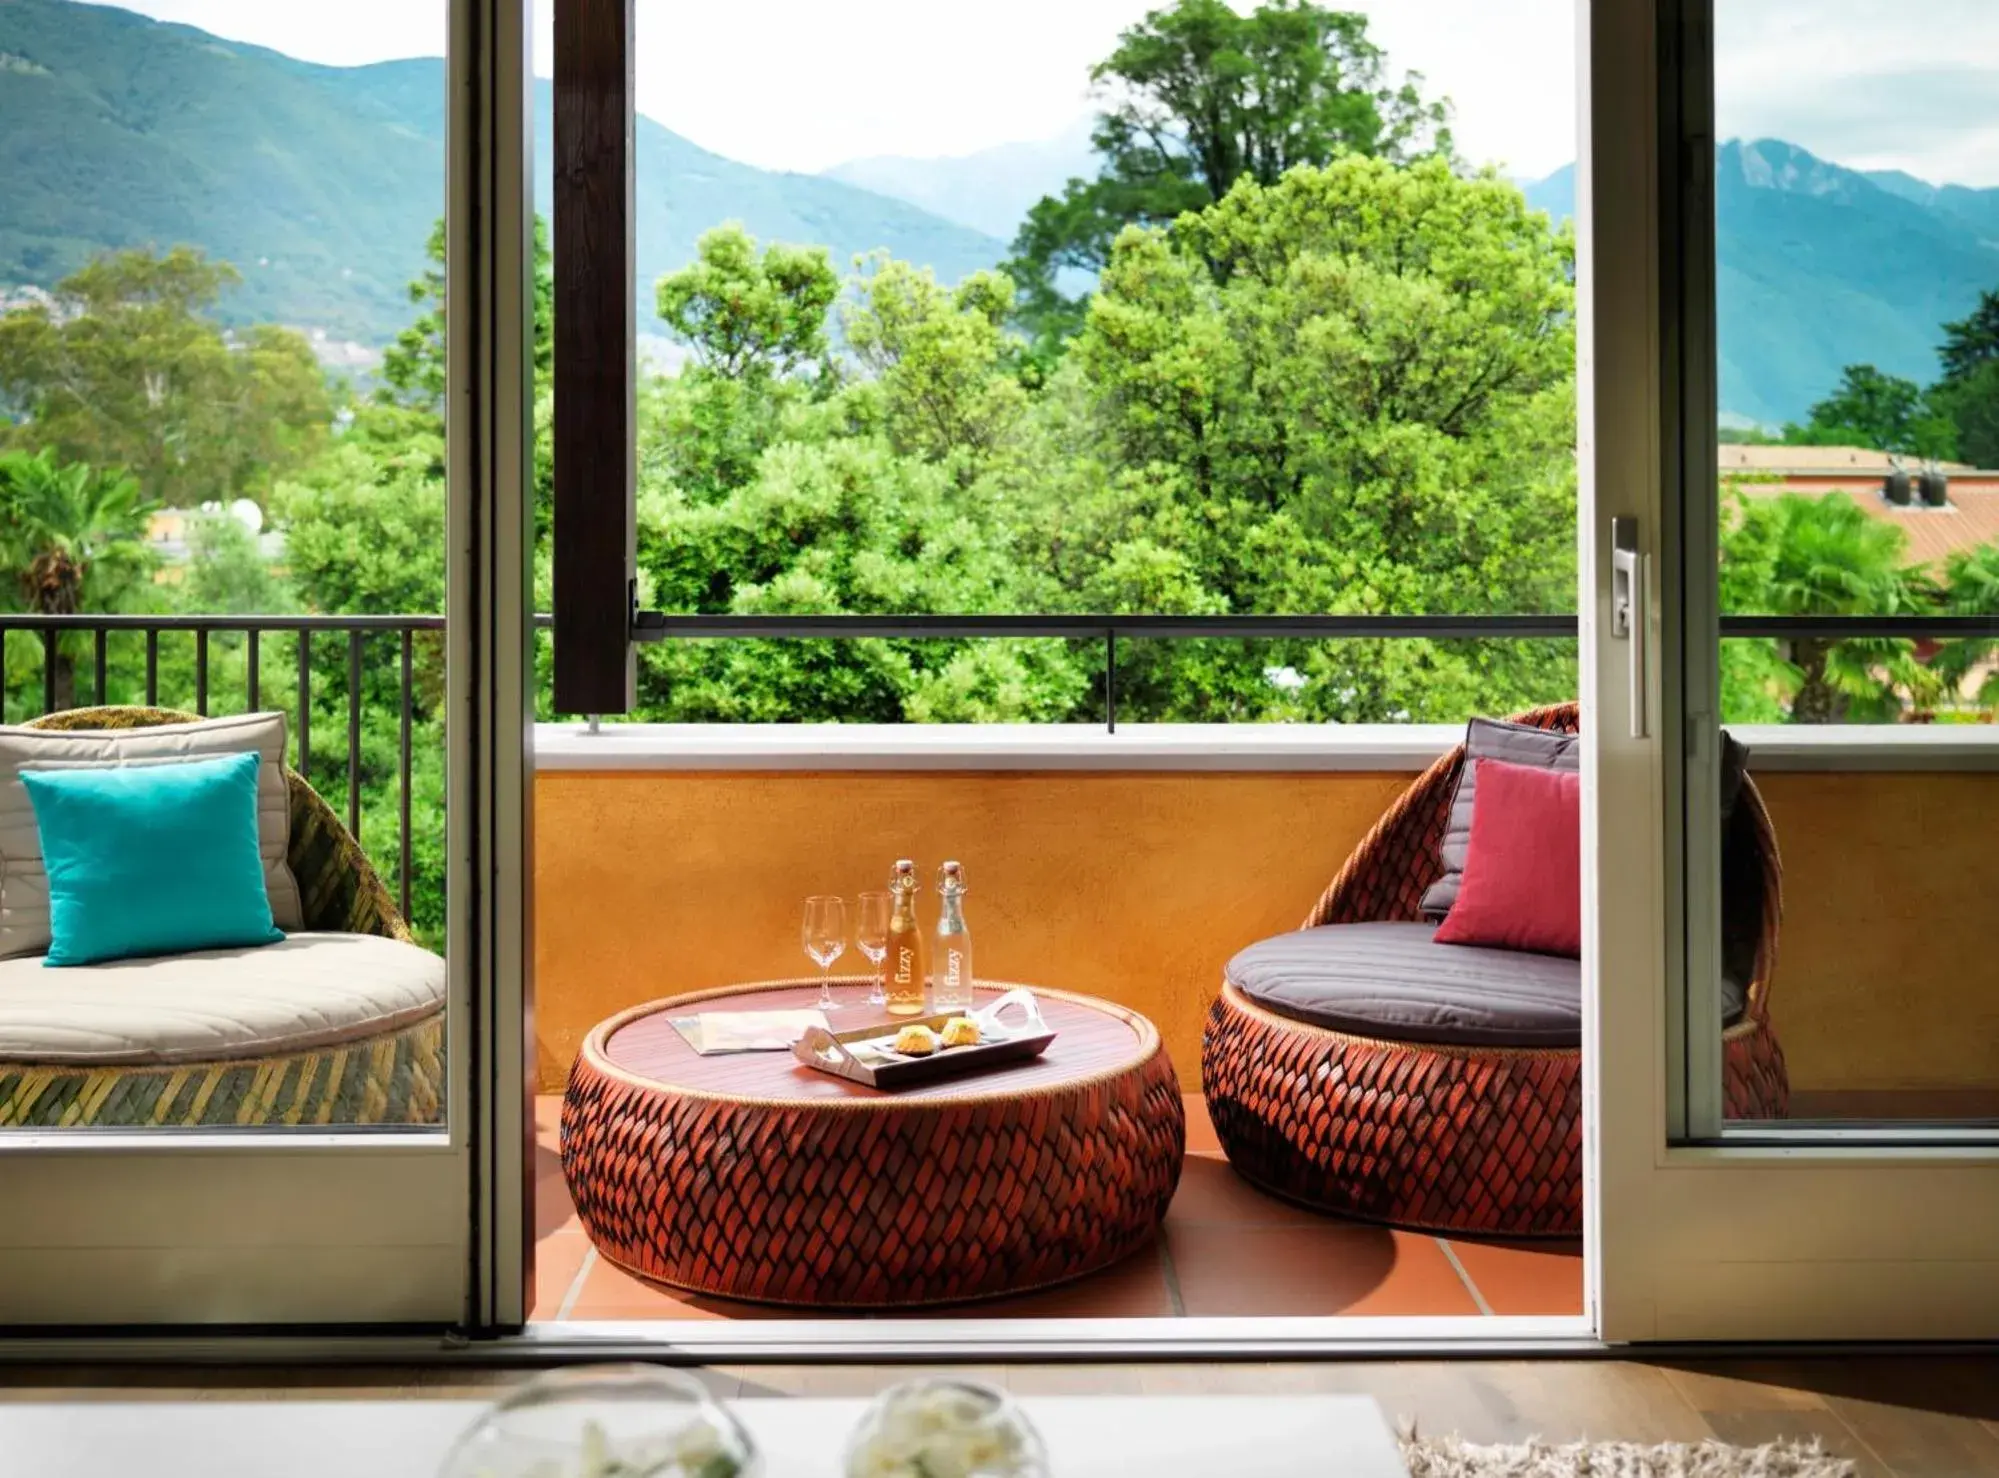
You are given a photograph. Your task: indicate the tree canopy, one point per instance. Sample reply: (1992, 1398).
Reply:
(1199, 95)
(1880, 411)
(127, 367)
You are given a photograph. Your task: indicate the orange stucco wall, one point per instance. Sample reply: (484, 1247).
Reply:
(1139, 886)
(1889, 972)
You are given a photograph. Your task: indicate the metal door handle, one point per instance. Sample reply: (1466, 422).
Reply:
(1628, 579)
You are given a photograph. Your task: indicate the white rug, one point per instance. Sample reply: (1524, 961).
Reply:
(1432, 1457)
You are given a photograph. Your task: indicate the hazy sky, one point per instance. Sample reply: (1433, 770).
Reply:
(802, 84)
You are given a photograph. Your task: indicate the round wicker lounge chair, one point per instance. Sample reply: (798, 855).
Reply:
(1481, 1139)
(391, 1076)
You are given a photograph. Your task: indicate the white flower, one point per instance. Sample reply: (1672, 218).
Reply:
(938, 1432)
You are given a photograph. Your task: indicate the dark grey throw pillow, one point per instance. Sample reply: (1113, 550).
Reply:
(1520, 744)
(1491, 739)
(1734, 770)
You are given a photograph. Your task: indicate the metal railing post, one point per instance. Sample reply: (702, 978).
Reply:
(354, 734)
(305, 705)
(403, 737)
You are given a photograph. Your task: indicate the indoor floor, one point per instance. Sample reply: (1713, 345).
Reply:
(1891, 1416)
(1227, 1250)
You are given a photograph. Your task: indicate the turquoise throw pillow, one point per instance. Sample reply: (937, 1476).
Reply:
(151, 859)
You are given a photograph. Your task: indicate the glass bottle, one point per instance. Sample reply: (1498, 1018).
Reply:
(905, 944)
(951, 989)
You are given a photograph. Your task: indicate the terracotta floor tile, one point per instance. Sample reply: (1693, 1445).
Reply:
(1336, 1268)
(1212, 1194)
(1200, 1129)
(610, 1292)
(1525, 1277)
(1133, 1289)
(557, 1260)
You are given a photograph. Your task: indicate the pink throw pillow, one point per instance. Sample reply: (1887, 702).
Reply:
(1523, 879)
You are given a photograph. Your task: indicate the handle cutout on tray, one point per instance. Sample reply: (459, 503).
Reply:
(1029, 1006)
(821, 1046)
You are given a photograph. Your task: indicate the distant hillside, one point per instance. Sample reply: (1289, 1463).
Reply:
(1822, 267)
(990, 190)
(321, 183)
(1976, 208)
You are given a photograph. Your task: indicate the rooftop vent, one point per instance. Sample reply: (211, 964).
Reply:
(1895, 487)
(1935, 487)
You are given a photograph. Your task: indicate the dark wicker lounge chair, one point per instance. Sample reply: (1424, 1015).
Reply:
(1481, 1138)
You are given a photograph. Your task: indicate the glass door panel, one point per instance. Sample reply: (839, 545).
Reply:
(237, 485)
(1795, 619)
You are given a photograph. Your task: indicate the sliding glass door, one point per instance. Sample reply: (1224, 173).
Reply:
(289, 508)
(1793, 1035)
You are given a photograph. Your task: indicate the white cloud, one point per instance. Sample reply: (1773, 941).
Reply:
(801, 84)
(1874, 84)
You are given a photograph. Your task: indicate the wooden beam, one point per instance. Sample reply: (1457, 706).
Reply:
(595, 357)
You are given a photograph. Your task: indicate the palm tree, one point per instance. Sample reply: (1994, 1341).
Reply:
(72, 535)
(1823, 556)
(1971, 588)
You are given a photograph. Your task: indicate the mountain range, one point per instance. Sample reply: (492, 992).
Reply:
(321, 185)
(1819, 267)
(991, 190)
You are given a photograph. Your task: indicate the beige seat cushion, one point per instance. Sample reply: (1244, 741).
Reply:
(24, 884)
(308, 991)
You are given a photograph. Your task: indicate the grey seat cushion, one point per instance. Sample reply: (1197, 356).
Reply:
(1396, 982)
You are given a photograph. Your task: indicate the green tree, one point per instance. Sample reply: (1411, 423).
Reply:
(749, 315)
(1972, 404)
(413, 368)
(1972, 343)
(1198, 96)
(1351, 391)
(227, 571)
(843, 525)
(1969, 390)
(1883, 412)
(1799, 555)
(127, 368)
(753, 321)
(941, 357)
(74, 538)
(1971, 588)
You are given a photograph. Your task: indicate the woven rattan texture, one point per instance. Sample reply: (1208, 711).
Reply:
(1452, 1139)
(395, 1078)
(871, 1204)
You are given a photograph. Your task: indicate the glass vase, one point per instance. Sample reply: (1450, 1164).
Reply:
(605, 1421)
(945, 1429)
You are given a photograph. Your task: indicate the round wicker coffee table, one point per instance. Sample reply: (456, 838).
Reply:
(752, 1176)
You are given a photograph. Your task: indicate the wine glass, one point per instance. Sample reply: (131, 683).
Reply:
(871, 934)
(825, 936)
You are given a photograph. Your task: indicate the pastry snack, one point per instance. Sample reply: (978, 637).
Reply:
(961, 1031)
(915, 1041)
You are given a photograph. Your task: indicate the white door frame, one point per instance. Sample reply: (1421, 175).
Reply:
(371, 1228)
(1773, 1242)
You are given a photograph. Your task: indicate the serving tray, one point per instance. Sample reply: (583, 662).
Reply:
(863, 1055)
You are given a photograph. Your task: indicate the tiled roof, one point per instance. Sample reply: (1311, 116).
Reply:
(1934, 534)
(1816, 459)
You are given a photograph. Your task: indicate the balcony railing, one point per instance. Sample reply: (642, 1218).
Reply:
(359, 636)
(311, 635)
